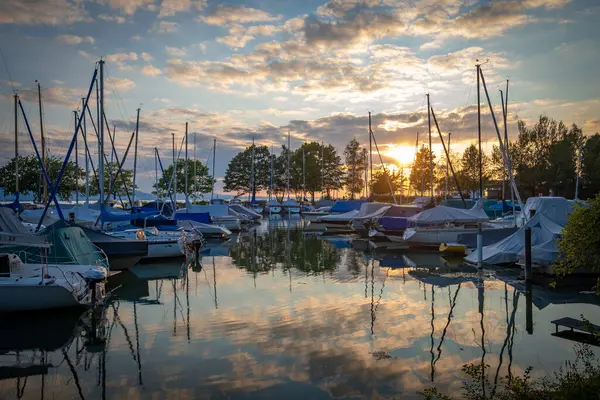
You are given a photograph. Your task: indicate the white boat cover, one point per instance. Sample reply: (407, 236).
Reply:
(245, 211)
(12, 231)
(555, 208)
(542, 254)
(273, 203)
(372, 210)
(349, 217)
(507, 251)
(442, 214)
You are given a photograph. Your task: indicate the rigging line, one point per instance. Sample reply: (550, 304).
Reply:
(12, 84)
(120, 99)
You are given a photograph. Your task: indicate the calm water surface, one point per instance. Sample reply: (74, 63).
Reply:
(278, 314)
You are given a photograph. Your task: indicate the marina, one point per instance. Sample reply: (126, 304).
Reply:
(277, 312)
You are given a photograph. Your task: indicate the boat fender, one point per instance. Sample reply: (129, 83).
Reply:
(140, 235)
(95, 274)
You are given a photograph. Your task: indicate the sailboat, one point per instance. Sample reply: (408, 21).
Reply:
(290, 205)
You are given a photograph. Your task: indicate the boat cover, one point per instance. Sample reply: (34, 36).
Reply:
(348, 216)
(507, 251)
(245, 211)
(12, 229)
(343, 206)
(555, 208)
(442, 214)
(324, 203)
(203, 218)
(273, 203)
(215, 210)
(393, 223)
(107, 216)
(544, 253)
(372, 210)
(290, 203)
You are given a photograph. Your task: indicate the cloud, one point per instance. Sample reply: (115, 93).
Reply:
(136, 38)
(165, 27)
(42, 12)
(149, 70)
(121, 59)
(120, 84)
(74, 40)
(112, 18)
(146, 56)
(176, 51)
(224, 14)
(169, 8)
(239, 35)
(129, 7)
(61, 96)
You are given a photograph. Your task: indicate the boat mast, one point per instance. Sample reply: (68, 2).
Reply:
(135, 151)
(370, 158)
(252, 190)
(448, 164)
(303, 174)
(76, 160)
(174, 173)
(16, 145)
(87, 161)
(430, 160)
(101, 123)
(44, 183)
(507, 147)
(271, 173)
(212, 194)
(479, 229)
(322, 170)
(288, 166)
(185, 170)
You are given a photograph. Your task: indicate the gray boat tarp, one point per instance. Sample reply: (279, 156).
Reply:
(442, 214)
(12, 230)
(507, 251)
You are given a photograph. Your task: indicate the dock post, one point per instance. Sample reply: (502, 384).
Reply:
(529, 308)
(479, 246)
(527, 254)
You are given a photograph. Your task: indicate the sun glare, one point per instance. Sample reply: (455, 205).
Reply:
(404, 155)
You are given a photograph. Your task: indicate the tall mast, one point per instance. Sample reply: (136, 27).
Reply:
(212, 194)
(185, 170)
(195, 173)
(135, 151)
(174, 171)
(252, 190)
(156, 174)
(303, 175)
(288, 166)
(370, 158)
(76, 160)
(44, 183)
(507, 147)
(322, 170)
(101, 123)
(479, 136)
(87, 161)
(447, 164)
(114, 140)
(430, 160)
(16, 145)
(271, 173)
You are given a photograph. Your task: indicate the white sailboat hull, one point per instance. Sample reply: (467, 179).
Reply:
(274, 209)
(163, 249)
(28, 295)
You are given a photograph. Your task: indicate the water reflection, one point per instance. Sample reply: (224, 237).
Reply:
(281, 314)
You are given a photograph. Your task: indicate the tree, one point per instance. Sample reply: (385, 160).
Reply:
(380, 185)
(579, 241)
(119, 188)
(238, 175)
(356, 160)
(468, 177)
(590, 169)
(30, 177)
(201, 181)
(421, 170)
(333, 173)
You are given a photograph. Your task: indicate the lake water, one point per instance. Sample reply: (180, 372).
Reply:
(282, 315)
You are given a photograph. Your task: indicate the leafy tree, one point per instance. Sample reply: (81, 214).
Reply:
(356, 160)
(30, 177)
(202, 180)
(579, 243)
(469, 171)
(421, 170)
(280, 173)
(380, 185)
(119, 188)
(440, 173)
(238, 175)
(590, 169)
(333, 173)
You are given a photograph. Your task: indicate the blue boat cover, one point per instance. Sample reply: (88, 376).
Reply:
(343, 206)
(166, 207)
(107, 216)
(197, 217)
(155, 220)
(394, 223)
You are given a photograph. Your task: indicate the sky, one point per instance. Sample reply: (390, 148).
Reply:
(238, 70)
